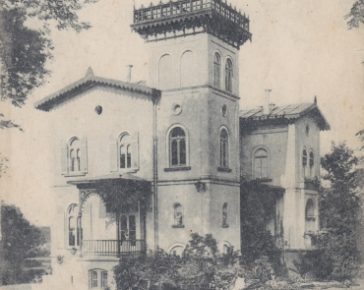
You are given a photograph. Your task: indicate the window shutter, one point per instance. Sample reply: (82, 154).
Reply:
(64, 158)
(113, 154)
(135, 151)
(84, 154)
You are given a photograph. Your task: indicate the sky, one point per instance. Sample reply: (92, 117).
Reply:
(299, 49)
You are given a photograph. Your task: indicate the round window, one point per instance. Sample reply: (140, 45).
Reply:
(176, 109)
(98, 110)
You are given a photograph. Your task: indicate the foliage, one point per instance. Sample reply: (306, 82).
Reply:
(20, 241)
(256, 211)
(314, 263)
(200, 267)
(26, 45)
(356, 15)
(340, 210)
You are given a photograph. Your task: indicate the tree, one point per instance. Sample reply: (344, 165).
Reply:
(24, 49)
(356, 15)
(340, 210)
(257, 208)
(20, 240)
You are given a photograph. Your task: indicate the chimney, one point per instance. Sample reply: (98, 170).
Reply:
(130, 68)
(266, 102)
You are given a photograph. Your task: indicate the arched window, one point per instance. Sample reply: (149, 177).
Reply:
(229, 75)
(225, 215)
(310, 216)
(304, 162)
(224, 148)
(177, 215)
(125, 154)
(177, 147)
(188, 65)
(260, 164)
(177, 250)
(311, 163)
(73, 226)
(97, 278)
(166, 79)
(74, 155)
(310, 210)
(217, 69)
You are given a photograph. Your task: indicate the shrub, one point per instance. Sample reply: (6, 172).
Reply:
(201, 266)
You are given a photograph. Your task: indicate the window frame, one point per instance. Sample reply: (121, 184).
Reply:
(98, 277)
(224, 149)
(304, 162)
(128, 155)
(229, 75)
(74, 163)
(169, 144)
(225, 215)
(217, 70)
(178, 219)
(267, 163)
(311, 163)
(74, 157)
(72, 212)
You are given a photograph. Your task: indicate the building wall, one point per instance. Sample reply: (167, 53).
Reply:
(121, 112)
(191, 101)
(274, 140)
(168, 62)
(285, 145)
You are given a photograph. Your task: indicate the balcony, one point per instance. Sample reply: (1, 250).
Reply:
(111, 248)
(214, 16)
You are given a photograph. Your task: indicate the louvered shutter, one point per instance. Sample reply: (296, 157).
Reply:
(113, 154)
(84, 155)
(135, 151)
(64, 158)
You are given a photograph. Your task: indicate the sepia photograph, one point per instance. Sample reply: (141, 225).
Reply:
(181, 144)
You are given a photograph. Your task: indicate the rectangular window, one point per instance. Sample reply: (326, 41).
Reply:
(103, 279)
(92, 278)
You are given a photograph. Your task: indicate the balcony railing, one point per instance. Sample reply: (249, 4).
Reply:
(112, 248)
(182, 7)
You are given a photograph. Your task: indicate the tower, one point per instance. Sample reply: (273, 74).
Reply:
(194, 46)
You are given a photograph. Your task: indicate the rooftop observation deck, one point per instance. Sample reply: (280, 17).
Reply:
(183, 17)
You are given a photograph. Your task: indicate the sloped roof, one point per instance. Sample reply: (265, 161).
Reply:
(87, 82)
(288, 113)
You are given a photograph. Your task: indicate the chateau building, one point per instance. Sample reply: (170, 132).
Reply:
(142, 167)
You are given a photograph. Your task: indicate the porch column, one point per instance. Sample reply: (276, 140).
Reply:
(79, 231)
(117, 216)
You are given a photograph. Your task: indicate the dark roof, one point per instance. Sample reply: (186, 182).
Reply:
(286, 113)
(87, 82)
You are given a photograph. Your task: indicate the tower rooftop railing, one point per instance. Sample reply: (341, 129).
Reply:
(182, 14)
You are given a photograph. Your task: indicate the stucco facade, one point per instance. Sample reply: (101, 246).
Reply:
(138, 167)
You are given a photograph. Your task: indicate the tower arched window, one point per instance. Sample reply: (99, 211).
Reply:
(225, 215)
(224, 148)
(260, 164)
(229, 75)
(217, 69)
(304, 162)
(177, 215)
(73, 226)
(74, 155)
(125, 152)
(177, 147)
